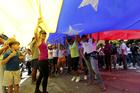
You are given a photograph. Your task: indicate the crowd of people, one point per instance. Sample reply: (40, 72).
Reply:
(114, 55)
(78, 54)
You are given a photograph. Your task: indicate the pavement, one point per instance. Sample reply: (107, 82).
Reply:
(61, 84)
(120, 81)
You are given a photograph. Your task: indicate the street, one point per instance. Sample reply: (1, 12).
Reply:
(116, 82)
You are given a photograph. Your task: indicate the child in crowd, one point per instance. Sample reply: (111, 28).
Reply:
(11, 59)
(61, 59)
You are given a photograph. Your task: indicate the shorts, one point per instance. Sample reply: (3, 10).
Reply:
(55, 59)
(75, 63)
(34, 63)
(11, 77)
(61, 59)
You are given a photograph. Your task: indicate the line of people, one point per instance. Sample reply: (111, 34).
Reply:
(78, 54)
(112, 55)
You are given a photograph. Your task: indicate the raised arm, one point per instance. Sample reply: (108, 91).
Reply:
(37, 31)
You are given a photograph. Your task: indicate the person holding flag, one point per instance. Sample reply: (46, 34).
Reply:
(40, 37)
(91, 60)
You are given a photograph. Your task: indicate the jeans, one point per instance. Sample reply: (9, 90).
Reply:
(129, 58)
(94, 64)
(114, 60)
(101, 61)
(119, 59)
(88, 69)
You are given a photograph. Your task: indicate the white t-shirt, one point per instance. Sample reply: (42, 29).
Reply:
(89, 47)
(28, 57)
(55, 52)
(50, 54)
(129, 50)
(124, 47)
(119, 50)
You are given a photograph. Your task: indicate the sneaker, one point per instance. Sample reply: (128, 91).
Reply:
(61, 70)
(132, 67)
(73, 78)
(85, 77)
(77, 79)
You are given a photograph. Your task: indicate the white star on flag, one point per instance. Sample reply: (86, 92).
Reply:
(93, 3)
(72, 31)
